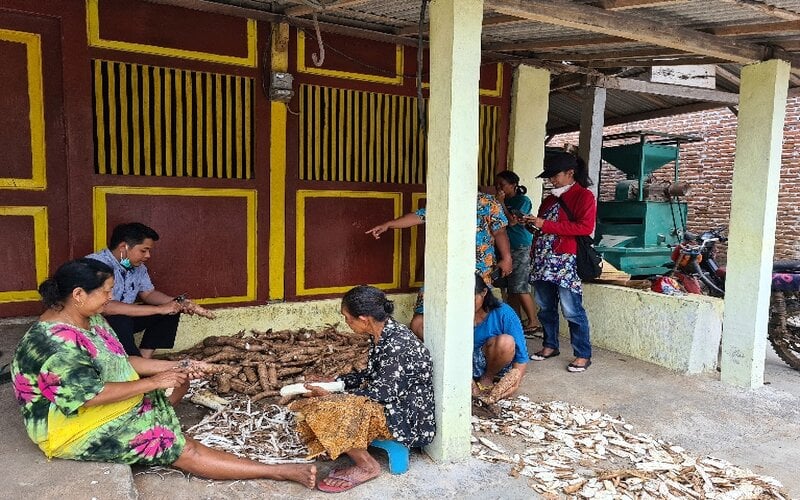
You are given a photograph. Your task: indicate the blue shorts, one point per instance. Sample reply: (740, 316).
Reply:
(479, 364)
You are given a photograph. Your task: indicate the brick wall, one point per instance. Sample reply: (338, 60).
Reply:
(708, 167)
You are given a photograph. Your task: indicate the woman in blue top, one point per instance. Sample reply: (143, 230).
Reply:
(516, 205)
(498, 342)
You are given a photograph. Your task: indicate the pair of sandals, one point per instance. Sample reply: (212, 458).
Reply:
(572, 367)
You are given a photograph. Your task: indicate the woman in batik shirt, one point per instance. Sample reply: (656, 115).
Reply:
(391, 399)
(83, 398)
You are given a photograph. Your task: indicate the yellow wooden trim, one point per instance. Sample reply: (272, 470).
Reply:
(228, 128)
(495, 92)
(158, 164)
(189, 92)
(137, 163)
(333, 73)
(123, 118)
(209, 129)
(93, 32)
(277, 171)
(33, 52)
(237, 83)
(498, 90)
(100, 212)
(41, 248)
(300, 276)
(168, 145)
(100, 138)
(414, 281)
(180, 146)
(148, 167)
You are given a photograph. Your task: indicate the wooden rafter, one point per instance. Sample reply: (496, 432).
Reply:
(697, 94)
(754, 28)
(413, 29)
(593, 19)
(764, 8)
(305, 9)
(634, 4)
(555, 44)
(616, 55)
(645, 63)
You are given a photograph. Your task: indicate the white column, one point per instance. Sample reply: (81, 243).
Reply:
(590, 141)
(754, 204)
(530, 100)
(452, 186)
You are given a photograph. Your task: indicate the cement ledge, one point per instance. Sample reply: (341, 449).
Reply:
(681, 333)
(314, 314)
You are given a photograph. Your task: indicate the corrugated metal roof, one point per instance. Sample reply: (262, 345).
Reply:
(593, 49)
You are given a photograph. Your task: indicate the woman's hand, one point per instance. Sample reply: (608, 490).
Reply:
(315, 391)
(500, 195)
(532, 219)
(169, 378)
(378, 230)
(194, 369)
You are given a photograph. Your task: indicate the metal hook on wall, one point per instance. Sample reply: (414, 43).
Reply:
(321, 59)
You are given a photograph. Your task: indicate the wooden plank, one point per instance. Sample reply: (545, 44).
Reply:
(634, 4)
(596, 20)
(304, 9)
(645, 63)
(413, 29)
(754, 28)
(764, 8)
(631, 85)
(611, 55)
(535, 45)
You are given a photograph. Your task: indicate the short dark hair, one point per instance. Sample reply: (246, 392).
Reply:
(365, 300)
(490, 302)
(89, 274)
(132, 233)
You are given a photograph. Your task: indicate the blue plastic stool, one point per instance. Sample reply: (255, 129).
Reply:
(397, 453)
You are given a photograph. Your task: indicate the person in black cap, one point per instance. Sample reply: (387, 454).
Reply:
(568, 211)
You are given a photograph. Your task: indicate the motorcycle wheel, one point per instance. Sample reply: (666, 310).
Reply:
(784, 327)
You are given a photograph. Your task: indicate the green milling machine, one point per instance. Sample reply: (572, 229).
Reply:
(637, 229)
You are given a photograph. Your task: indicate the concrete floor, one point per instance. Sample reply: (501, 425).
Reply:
(757, 429)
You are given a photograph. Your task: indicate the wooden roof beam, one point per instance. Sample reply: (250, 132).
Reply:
(305, 9)
(634, 4)
(764, 8)
(413, 29)
(596, 20)
(754, 28)
(646, 63)
(632, 85)
(616, 55)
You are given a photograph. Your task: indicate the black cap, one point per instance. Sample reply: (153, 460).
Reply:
(558, 162)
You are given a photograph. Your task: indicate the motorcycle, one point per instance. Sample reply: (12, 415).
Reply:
(695, 268)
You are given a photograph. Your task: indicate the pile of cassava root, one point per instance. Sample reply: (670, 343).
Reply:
(260, 363)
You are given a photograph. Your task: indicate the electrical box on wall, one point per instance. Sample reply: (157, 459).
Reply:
(280, 87)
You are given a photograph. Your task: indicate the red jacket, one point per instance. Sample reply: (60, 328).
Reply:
(581, 201)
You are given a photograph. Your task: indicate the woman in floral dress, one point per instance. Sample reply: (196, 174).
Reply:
(391, 399)
(554, 270)
(83, 398)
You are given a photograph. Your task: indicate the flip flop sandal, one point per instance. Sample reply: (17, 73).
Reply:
(539, 356)
(572, 367)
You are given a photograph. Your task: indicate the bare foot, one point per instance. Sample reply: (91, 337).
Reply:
(305, 474)
(354, 476)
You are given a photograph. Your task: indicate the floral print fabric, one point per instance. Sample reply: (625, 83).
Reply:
(399, 376)
(490, 218)
(57, 368)
(546, 265)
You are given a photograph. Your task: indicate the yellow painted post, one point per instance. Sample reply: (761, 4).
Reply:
(530, 100)
(754, 206)
(277, 171)
(455, 52)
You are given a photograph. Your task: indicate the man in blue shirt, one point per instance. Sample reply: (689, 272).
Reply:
(158, 313)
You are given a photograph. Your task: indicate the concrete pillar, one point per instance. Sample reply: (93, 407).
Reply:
(591, 136)
(277, 170)
(455, 51)
(530, 100)
(754, 204)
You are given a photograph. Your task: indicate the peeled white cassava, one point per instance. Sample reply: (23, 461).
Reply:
(295, 389)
